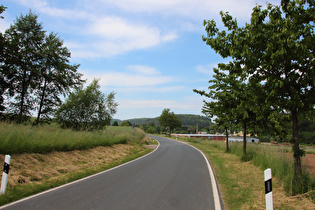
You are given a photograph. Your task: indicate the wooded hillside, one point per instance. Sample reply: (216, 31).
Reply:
(187, 120)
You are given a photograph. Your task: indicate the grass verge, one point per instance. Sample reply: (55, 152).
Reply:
(18, 139)
(34, 173)
(242, 183)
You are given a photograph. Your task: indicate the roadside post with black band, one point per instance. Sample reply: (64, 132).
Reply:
(268, 189)
(5, 174)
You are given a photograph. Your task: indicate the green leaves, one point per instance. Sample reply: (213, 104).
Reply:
(57, 76)
(2, 9)
(35, 69)
(87, 109)
(169, 120)
(22, 53)
(276, 48)
(273, 56)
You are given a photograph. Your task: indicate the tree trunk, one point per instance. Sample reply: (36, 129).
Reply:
(22, 96)
(227, 139)
(296, 147)
(21, 107)
(41, 103)
(244, 142)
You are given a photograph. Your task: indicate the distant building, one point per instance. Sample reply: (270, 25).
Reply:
(240, 138)
(208, 136)
(218, 137)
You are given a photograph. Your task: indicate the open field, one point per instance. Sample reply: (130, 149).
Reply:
(308, 161)
(242, 183)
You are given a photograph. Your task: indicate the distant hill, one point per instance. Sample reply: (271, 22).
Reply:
(144, 121)
(188, 120)
(192, 120)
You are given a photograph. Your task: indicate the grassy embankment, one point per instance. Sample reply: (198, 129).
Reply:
(242, 183)
(45, 157)
(18, 139)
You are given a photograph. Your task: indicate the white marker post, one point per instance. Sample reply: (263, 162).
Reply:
(268, 189)
(5, 174)
(132, 133)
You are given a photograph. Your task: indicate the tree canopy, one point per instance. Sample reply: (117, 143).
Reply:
(169, 120)
(22, 55)
(125, 123)
(57, 77)
(3, 83)
(2, 9)
(87, 109)
(276, 51)
(35, 70)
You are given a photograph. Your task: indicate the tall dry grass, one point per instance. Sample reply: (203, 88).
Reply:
(280, 160)
(18, 139)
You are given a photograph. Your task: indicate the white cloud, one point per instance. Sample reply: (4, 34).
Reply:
(143, 69)
(102, 36)
(146, 77)
(116, 35)
(206, 69)
(3, 25)
(44, 8)
(171, 104)
(121, 39)
(126, 79)
(149, 89)
(193, 9)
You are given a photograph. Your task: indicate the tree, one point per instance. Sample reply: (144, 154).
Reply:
(87, 109)
(56, 77)
(115, 123)
(220, 104)
(22, 53)
(125, 123)
(169, 120)
(2, 9)
(231, 102)
(3, 83)
(275, 49)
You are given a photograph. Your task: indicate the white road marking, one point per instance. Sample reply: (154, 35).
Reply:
(216, 197)
(79, 180)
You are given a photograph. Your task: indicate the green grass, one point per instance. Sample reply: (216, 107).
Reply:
(18, 139)
(239, 189)
(24, 190)
(280, 160)
(237, 194)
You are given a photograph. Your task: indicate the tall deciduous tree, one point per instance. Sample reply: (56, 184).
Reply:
(87, 109)
(220, 103)
(3, 83)
(231, 102)
(22, 53)
(169, 120)
(56, 77)
(277, 50)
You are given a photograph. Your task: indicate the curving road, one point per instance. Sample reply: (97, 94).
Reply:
(174, 176)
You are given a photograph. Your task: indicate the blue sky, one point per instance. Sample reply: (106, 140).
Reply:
(150, 52)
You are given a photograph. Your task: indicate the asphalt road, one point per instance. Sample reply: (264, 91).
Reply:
(174, 176)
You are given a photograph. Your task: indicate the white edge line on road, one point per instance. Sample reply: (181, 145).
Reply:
(216, 197)
(79, 180)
